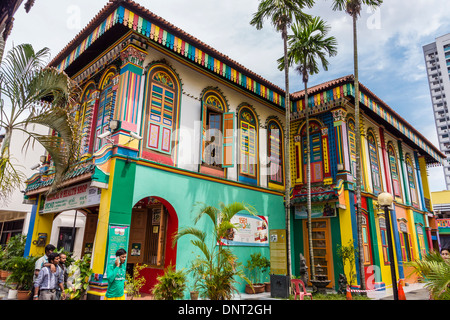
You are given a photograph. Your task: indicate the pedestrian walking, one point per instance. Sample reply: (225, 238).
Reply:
(43, 260)
(62, 266)
(48, 281)
(445, 254)
(116, 277)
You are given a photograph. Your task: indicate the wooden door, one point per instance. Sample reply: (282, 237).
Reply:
(321, 247)
(136, 246)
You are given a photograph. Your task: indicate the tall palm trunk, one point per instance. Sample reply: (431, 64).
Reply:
(358, 156)
(308, 180)
(287, 159)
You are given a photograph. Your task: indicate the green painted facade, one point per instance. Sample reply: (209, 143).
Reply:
(133, 182)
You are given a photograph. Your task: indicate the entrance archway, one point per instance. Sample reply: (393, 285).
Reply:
(153, 223)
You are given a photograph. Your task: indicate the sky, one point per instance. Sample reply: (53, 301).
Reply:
(390, 42)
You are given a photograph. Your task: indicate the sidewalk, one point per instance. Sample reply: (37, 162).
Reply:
(415, 291)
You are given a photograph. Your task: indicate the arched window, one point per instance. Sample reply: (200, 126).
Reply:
(161, 112)
(374, 164)
(352, 145)
(405, 241)
(384, 239)
(85, 115)
(218, 125)
(248, 146)
(105, 107)
(319, 154)
(411, 181)
(394, 170)
(365, 239)
(316, 154)
(275, 151)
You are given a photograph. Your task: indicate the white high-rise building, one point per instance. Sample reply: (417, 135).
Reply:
(437, 60)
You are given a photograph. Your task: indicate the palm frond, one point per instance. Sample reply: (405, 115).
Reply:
(281, 13)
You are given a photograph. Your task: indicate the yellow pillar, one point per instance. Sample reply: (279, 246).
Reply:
(345, 224)
(42, 224)
(101, 234)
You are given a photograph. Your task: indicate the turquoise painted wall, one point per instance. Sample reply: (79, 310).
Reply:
(183, 192)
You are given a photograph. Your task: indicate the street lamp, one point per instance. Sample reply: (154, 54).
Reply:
(385, 201)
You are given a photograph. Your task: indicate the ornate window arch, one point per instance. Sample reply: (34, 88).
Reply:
(374, 162)
(319, 156)
(85, 116)
(411, 180)
(248, 145)
(384, 240)
(105, 109)
(275, 151)
(395, 176)
(217, 128)
(161, 113)
(351, 132)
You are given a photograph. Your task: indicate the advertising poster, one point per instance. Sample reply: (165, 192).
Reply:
(250, 231)
(117, 238)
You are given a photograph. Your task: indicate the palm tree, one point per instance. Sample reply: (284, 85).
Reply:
(353, 8)
(435, 272)
(216, 270)
(41, 95)
(281, 14)
(309, 44)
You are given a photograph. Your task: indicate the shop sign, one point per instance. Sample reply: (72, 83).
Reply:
(319, 210)
(79, 196)
(443, 223)
(249, 231)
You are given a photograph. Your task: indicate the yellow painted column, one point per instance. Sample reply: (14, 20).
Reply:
(413, 233)
(345, 224)
(101, 235)
(42, 224)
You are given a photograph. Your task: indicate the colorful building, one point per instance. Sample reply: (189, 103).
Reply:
(394, 158)
(167, 121)
(441, 206)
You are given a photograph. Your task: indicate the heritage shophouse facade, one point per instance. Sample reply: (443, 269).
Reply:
(180, 123)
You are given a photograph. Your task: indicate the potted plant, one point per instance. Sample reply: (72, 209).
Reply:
(78, 282)
(217, 267)
(171, 285)
(22, 275)
(265, 268)
(255, 266)
(4, 273)
(135, 282)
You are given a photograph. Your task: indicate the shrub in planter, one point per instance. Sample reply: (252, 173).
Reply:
(79, 274)
(171, 285)
(135, 282)
(257, 265)
(22, 274)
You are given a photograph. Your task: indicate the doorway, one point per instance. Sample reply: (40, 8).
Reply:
(153, 222)
(321, 243)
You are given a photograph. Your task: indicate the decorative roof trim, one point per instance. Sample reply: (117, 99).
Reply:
(159, 31)
(342, 87)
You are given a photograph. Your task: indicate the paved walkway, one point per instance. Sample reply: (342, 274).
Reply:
(415, 291)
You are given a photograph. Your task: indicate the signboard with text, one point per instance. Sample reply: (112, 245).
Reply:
(75, 197)
(278, 256)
